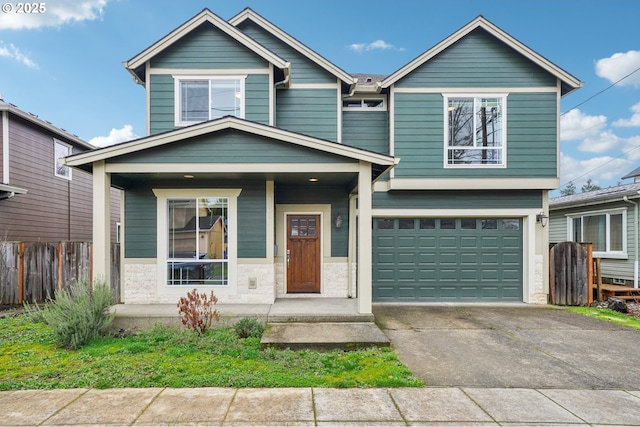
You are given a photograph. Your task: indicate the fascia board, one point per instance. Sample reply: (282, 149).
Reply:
(227, 123)
(45, 125)
(205, 16)
(481, 22)
(295, 44)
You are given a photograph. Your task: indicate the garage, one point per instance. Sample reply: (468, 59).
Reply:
(447, 259)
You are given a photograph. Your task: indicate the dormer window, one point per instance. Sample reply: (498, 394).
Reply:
(200, 98)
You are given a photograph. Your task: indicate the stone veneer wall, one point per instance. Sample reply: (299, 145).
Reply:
(334, 279)
(537, 293)
(141, 285)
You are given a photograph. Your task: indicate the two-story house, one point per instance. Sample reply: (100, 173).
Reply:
(424, 185)
(41, 199)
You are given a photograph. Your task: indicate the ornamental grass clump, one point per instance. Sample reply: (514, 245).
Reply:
(78, 313)
(197, 312)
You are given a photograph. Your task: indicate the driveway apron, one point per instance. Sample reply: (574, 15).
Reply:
(520, 346)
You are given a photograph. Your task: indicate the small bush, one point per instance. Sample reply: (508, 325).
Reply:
(249, 328)
(197, 312)
(78, 313)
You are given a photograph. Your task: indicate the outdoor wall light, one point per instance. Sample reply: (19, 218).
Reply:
(542, 219)
(338, 221)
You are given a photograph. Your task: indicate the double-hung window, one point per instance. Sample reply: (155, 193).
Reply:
(199, 99)
(475, 130)
(606, 230)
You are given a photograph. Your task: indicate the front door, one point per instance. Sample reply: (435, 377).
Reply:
(303, 254)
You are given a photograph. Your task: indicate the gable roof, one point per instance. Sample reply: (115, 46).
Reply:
(596, 197)
(136, 65)
(569, 82)
(228, 122)
(249, 14)
(634, 173)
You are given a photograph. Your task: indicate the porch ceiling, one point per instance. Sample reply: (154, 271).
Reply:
(200, 179)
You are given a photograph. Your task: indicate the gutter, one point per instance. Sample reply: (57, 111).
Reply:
(636, 223)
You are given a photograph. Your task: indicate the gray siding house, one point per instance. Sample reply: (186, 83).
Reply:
(419, 186)
(42, 200)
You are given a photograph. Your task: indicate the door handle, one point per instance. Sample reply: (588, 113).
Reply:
(288, 257)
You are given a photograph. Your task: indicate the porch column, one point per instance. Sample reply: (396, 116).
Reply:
(364, 238)
(101, 223)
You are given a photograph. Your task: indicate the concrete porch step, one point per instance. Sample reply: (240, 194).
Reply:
(324, 336)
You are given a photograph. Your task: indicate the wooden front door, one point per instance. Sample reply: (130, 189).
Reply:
(303, 254)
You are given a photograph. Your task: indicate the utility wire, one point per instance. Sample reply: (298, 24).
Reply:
(603, 90)
(598, 167)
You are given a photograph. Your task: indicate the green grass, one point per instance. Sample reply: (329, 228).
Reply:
(165, 357)
(608, 315)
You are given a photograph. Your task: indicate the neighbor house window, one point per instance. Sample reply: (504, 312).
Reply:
(607, 231)
(61, 150)
(475, 131)
(199, 99)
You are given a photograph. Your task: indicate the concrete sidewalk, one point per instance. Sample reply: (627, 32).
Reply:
(319, 406)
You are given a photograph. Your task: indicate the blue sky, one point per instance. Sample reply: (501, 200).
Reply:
(65, 64)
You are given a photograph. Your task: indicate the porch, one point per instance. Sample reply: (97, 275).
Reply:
(296, 323)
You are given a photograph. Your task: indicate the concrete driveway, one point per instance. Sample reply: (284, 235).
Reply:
(519, 346)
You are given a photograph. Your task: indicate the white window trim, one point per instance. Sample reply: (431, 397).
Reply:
(503, 97)
(362, 98)
(608, 212)
(177, 79)
(162, 196)
(55, 160)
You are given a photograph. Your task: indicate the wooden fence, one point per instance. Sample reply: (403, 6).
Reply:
(32, 272)
(571, 273)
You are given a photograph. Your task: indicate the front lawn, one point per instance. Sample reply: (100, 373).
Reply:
(608, 316)
(165, 357)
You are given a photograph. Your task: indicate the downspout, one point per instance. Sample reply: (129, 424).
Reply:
(287, 76)
(635, 225)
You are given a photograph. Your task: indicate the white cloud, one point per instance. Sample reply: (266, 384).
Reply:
(57, 13)
(604, 171)
(601, 142)
(576, 125)
(632, 148)
(376, 45)
(115, 136)
(619, 65)
(634, 121)
(10, 51)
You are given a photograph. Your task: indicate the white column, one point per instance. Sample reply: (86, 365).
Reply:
(364, 238)
(101, 223)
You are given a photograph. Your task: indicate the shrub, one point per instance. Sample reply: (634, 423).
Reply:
(249, 328)
(78, 313)
(197, 312)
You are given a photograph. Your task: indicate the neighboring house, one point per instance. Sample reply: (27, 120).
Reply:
(607, 218)
(42, 200)
(424, 185)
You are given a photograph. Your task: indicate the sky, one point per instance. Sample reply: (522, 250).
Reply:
(64, 63)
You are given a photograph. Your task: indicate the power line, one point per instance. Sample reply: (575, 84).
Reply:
(598, 167)
(603, 90)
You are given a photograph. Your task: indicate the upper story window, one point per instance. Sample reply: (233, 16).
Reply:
(199, 99)
(606, 230)
(61, 150)
(364, 104)
(475, 131)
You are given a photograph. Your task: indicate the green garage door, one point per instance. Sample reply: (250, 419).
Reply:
(447, 259)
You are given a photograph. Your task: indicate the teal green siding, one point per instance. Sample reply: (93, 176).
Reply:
(313, 112)
(141, 231)
(231, 146)
(162, 103)
(366, 129)
(207, 47)
(303, 70)
(530, 146)
(478, 60)
(468, 199)
(338, 197)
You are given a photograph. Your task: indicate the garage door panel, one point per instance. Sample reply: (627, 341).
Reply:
(451, 260)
